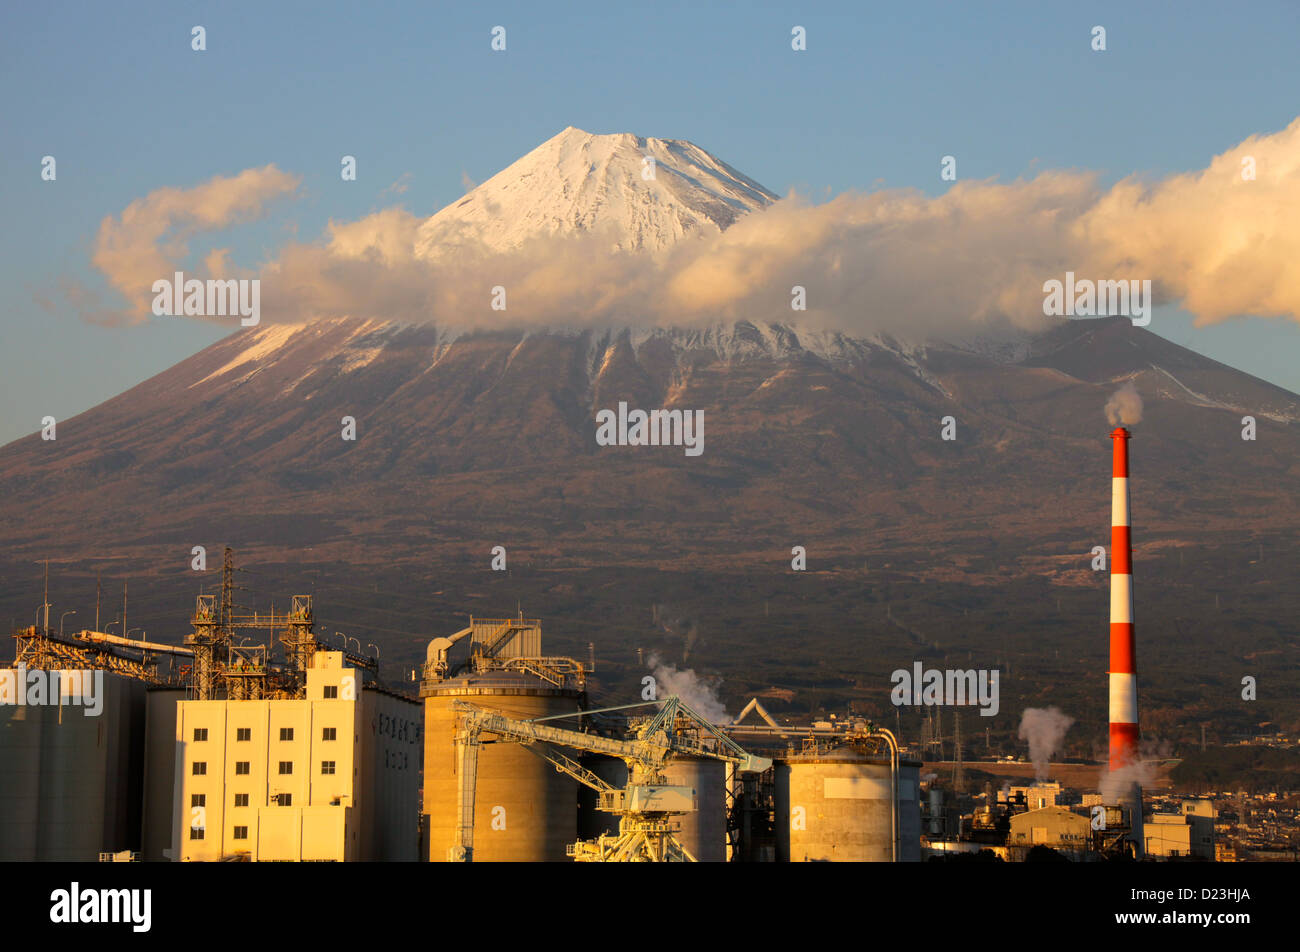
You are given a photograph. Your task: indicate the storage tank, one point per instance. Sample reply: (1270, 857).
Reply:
(834, 806)
(21, 744)
(526, 810)
(159, 772)
(936, 811)
(703, 832)
(71, 779)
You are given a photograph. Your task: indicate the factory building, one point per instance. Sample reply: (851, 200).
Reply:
(1186, 835)
(1055, 827)
(331, 776)
(1040, 794)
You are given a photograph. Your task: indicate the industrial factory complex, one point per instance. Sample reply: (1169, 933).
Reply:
(212, 751)
(254, 741)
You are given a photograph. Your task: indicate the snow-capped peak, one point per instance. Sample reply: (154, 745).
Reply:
(577, 182)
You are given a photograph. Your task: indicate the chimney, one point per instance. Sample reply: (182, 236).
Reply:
(1123, 656)
(1123, 651)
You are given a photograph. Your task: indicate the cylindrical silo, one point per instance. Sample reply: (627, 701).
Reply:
(834, 806)
(159, 772)
(21, 744)
(703, 832)
(525, 810)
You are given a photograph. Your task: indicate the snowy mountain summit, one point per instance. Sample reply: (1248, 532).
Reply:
(646, 194)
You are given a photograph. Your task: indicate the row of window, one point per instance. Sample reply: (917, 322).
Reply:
(240, 833)
(286, 733)
(201, 799)
(242, 767)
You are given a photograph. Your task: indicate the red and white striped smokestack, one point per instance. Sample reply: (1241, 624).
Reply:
(1123, 656)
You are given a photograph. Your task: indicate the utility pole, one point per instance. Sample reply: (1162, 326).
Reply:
(45, 629)
(124, 628)
(98, 581)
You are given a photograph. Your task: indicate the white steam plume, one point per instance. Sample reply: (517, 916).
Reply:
(700, 694)
(1114, 784)
(1124, 406)
(1045, 729)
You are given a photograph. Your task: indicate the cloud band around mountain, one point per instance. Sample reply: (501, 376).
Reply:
(1217, 241)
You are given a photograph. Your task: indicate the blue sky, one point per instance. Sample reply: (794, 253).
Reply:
(116, 94)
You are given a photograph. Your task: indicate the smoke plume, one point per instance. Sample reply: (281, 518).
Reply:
(1114, 784)
(1217, 241)
(1045, 729)
(700, 694)
(1124, 406)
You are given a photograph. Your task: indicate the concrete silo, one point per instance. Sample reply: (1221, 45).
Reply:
(835, 806)
(703, 832)
(526, 810)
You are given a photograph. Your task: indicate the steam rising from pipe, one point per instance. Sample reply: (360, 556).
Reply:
(1124, 407)
(1115, 784)
(1045, 729)
(699, 693)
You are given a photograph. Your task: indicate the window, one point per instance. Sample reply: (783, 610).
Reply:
(243, 733)
(286, 733)
(286, 799)
(327, 766)
(196, 832)
(241, 767)
(200, 733)
(241, 832)
(241, 799)
(286, 766)
(198, 799)
(328, 733)
(331, 691)
(200, 768)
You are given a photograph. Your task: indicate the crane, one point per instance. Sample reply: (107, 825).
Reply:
(647, 804)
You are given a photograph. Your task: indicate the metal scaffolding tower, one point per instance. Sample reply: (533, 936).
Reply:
(225, 669)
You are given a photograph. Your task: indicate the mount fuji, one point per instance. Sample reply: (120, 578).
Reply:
(467, 439)
(645, 194)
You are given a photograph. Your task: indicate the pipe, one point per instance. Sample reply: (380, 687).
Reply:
(893, 787)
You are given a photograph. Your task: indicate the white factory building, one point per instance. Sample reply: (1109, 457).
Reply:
(332, 776)
(1188, 833)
